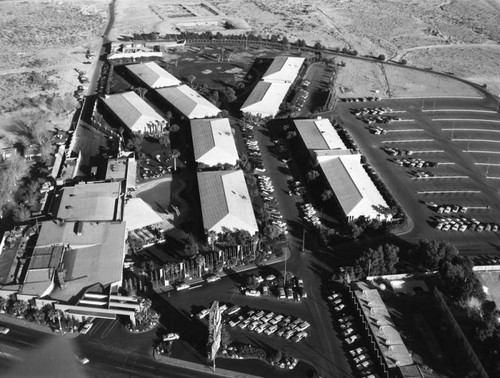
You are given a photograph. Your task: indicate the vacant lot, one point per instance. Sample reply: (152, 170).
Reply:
(364, 78)
(42, 44)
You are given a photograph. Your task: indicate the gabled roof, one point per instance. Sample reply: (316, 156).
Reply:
(152, 75)
(213, 141)
(265, 99)
(188, 102)
(352, 186)
(319, 134)
(90, 202)
(132, 110)
(283, 69)
(225, 201)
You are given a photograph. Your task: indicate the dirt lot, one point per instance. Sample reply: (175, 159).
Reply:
(42, 44)
(361, 78)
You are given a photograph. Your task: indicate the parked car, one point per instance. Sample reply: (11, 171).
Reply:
(252, 293)
(299, 336)
(351, 339)
(82, 360)
(86, 327)
(4, 330)
(358, 351)
(171, 337)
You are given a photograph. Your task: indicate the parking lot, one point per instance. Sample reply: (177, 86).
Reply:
(442, 151)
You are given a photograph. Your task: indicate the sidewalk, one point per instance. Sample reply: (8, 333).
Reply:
(34, 326)
(203, 368)
(234, 270)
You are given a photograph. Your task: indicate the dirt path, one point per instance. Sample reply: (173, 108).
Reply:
(36, 69)
(404, 52)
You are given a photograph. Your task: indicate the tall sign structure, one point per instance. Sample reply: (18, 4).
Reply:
(214, 330)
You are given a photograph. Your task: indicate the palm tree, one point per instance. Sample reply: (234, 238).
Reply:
(175, 155)
(200, 261)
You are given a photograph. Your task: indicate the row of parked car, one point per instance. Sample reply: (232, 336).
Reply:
(349, 330)
(463, 224)
(254, 154)
(270, 323)
(266, 190)
(361, 99)
(415, 163)
(309, 214)
(370, 111)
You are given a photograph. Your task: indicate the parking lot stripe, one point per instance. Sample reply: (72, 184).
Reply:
(493, 164)
(427, 151)
(493, 178)
(459, 110)
(446, 163)
(466, 119)
(439, 177)
(449, 191)
(482, 152)
(475, 140)
(403, 131)
(467, 129)
(408, 141)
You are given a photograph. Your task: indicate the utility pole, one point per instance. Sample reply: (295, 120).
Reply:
(303, 239)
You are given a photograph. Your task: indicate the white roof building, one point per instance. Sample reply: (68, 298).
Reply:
(188, 102)
(152, 75)
(213, 141)
(132, 110)
(353, 188)
(265, 99)
(319, 134)
(225, 202)
(283, 69)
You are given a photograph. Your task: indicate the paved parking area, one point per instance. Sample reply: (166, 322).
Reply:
(462, 136)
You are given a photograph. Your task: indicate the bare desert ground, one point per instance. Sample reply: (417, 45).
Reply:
(43, 42)
(461, 36)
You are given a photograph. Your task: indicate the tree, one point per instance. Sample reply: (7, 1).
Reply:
(135, 143)
(190, 247)
(312, 175)
(191, 79)
(175, 155)
(381, 57)
(431, 254)
(22, 213)
(200, 263)
(225, 337)
(164, 139)
(230, 94)
(374, 262)
(326, 195)
(403, 61)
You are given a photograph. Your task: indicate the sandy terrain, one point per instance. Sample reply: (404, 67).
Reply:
(360, 79)
(395, 28)
(42, 44)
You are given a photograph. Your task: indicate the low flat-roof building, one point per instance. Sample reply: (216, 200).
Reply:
(90, 202)
(213, 142)
(265, 99)
(283, 69)
(356, 193)
(132, 111)
(152, 75)
(188, 102)
(71, 256)
(122, 169)
(225, 202)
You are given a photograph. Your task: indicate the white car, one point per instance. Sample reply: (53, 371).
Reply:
(203, 313)
(171, 337)
(288, 334)
(252, 293)
(271, 330)
(352, 339)
(86, 328)
(213, 278)
(82, 360)
(4, 330)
